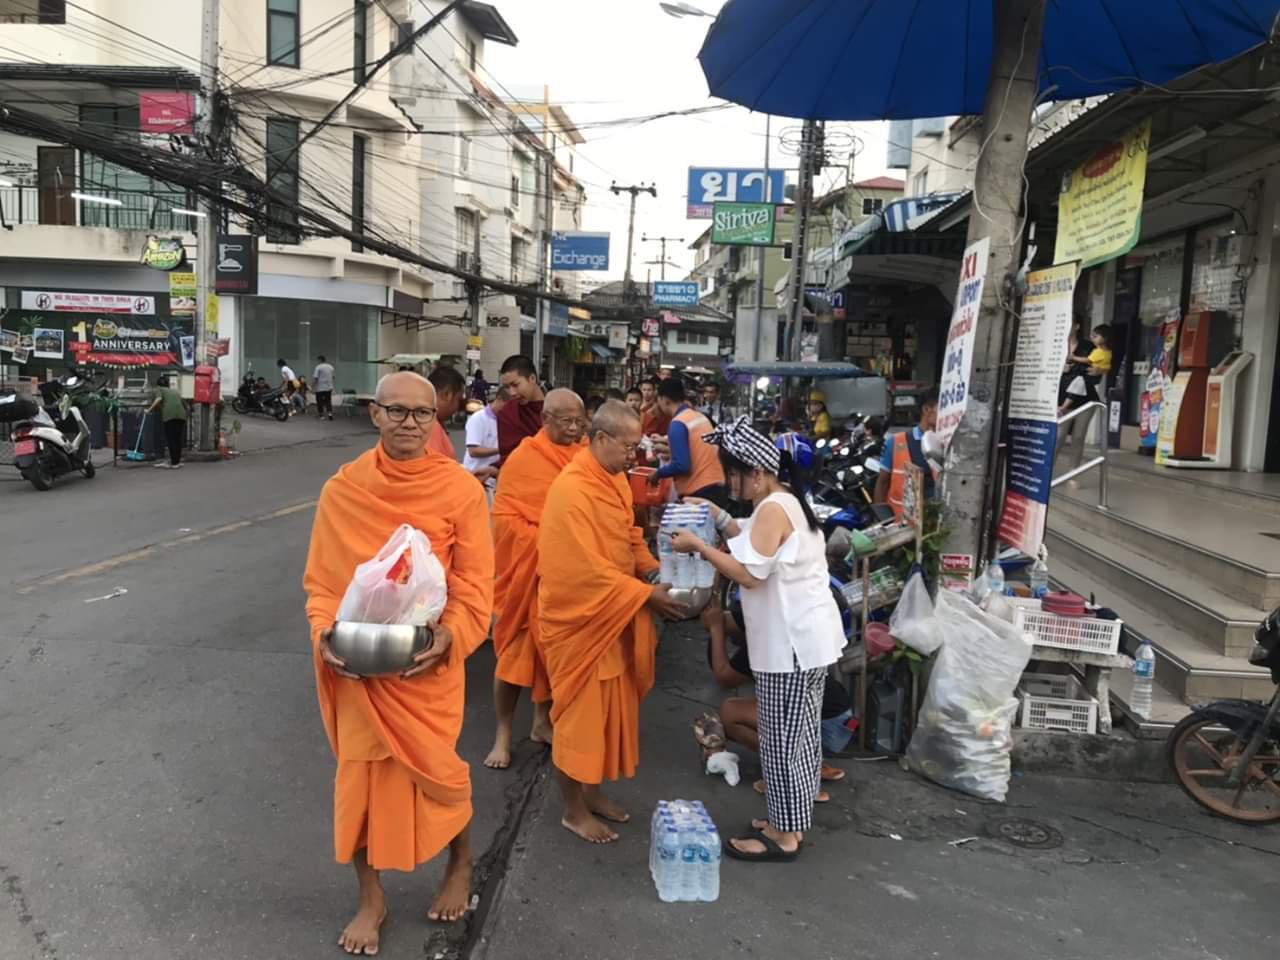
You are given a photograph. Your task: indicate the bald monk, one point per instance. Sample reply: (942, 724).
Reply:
(401, 793)
(451, 390)
(595, 608)
(517, 509)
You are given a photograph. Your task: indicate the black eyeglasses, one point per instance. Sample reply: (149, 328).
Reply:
(399, 414)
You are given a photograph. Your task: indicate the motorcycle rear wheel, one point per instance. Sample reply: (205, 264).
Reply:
(280, 412)
(39, 476)
(239, 406)
(1202, 760)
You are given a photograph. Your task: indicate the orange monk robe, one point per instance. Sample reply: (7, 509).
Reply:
(597, 636)
(401, 789)
(523, 482)
(439, 442)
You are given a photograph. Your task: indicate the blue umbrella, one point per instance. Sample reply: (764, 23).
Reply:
(890, 59)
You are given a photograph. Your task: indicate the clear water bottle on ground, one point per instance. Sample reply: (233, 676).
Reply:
(1144, 675)
(709, 864)
(668, 864)
(1039, 579)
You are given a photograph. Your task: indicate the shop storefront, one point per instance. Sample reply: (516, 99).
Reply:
(298, 331)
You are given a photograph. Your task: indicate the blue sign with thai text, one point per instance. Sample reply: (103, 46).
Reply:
(579, 251)
(675, 293)
(730, 184)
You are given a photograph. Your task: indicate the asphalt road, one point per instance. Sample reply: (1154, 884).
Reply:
(165, 784)
(164, 778)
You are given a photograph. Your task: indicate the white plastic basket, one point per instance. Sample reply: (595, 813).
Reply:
(1053, 701)
(1067, 633)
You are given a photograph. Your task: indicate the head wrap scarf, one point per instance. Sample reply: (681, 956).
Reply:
(746, 443)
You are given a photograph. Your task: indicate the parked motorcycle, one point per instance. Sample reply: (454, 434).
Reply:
(1226, 754)
(50, 438)
(256, 396)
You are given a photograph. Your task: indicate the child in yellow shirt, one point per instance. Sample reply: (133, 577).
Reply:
(1083, 388)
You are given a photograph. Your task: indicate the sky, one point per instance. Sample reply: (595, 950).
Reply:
(608, 59)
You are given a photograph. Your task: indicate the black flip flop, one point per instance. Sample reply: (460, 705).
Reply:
(772, 853)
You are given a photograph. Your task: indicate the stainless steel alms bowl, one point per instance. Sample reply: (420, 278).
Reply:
(695, 598)
(376, 649)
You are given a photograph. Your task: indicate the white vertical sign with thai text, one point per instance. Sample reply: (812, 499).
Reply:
(953, 391)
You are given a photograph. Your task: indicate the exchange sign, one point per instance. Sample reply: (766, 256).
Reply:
(580, 251)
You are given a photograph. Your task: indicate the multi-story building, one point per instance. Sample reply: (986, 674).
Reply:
(424, 156)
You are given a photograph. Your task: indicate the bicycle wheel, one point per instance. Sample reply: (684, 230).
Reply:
(1202, 757)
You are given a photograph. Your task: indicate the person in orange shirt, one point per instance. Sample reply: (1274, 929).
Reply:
(694, 465)
(523, 483)
(595, 606)
(451, 391)
(402, 793)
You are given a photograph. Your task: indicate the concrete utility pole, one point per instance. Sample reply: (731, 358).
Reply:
(631, 228)
(474, 289)
(810, 136)
(763, 252)
(662, 272)
(998, 214)
(544, 258)
(207, 135)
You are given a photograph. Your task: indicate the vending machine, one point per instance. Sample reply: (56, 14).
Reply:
(1219, 414)
(1204, 338)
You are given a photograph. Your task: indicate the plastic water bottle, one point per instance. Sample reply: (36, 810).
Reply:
(709, 864)
(666, 560)
(1040, 575)
(668, 863)
(1144, 675)
(995, 577)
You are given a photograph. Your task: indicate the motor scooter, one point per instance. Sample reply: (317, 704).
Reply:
(50, 438)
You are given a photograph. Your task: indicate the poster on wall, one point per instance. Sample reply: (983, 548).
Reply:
(182, 293)
(1033, 404)
(953, 391)
(119, 344)
(8, 340)
(64, 301)
(48, 343)
(1100, 205)
(1153, 393)
(187, 347)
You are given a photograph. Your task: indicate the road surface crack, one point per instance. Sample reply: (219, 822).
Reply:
(18, 898)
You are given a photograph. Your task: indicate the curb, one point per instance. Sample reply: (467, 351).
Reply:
(1090, 756)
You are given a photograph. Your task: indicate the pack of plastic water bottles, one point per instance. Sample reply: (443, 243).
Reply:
(684, 571)
(684, 852)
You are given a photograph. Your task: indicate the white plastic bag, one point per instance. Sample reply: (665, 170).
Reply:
(403, 583)
(964, 734)
(913, 621)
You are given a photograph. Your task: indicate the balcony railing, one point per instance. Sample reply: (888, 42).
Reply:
(23, 205)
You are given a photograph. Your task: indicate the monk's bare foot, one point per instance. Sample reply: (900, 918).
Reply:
(602, 806)
(361, 934)
(542, 730)
(499, 757)
(453, 899)
(589, 829)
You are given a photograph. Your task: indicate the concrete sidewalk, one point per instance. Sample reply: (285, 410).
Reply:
(894, 867)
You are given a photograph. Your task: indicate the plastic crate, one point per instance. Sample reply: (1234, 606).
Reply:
(1052, 701)
(1067, 633)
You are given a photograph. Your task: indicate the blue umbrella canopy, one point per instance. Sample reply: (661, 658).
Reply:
(900, 59)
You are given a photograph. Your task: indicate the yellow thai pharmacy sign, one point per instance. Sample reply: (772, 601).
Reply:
(1100, 207)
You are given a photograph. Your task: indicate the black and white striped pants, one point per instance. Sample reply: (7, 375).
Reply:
(790, 716)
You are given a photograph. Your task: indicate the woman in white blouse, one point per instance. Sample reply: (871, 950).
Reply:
(792, 625)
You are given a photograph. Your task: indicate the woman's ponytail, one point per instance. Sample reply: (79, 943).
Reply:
(794, 479)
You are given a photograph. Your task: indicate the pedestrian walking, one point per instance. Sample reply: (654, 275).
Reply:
(479, 387)
(793, 628)
(481, 458)
(289, 383)
(323, 381)
(173, 413)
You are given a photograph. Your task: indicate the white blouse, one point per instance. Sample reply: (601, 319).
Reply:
(791, 618)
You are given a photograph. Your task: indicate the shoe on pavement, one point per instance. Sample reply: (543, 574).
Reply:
(175, 466)
(162, 465)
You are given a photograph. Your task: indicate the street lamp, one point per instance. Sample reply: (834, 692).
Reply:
(680, 9)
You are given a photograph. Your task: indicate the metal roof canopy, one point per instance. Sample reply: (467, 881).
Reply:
(818, 370)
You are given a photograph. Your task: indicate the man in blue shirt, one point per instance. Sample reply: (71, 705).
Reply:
(902, 449)
(695, 465)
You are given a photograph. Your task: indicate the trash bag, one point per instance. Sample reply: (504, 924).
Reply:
(913, 621)
(963, 736)
(403, 583)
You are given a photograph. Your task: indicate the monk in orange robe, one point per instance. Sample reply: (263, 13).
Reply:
(523, 482)
(401, 793)
(451, 389)
(595, 607)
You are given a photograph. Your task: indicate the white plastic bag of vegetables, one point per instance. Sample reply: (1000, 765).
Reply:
(964, 733)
